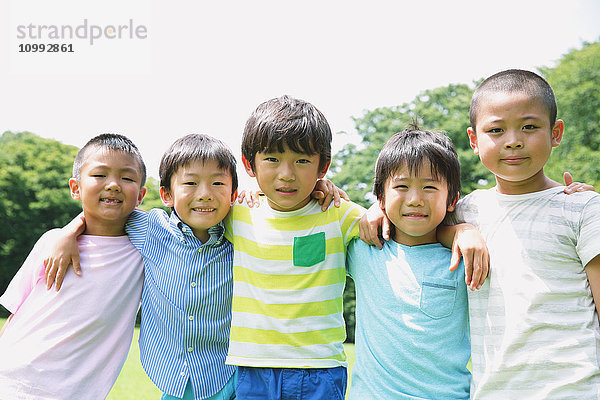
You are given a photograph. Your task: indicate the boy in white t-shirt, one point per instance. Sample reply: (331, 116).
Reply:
(47, 350)
(534, 324)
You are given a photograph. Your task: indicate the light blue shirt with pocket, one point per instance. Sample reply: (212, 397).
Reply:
(412, 324)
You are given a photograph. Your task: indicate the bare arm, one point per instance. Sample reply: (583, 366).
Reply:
(466, 242)
(374, 226)
(592, 269)
(64, 253)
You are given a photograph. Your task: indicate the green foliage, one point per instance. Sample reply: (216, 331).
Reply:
(152, 197)
(34, 195)
(576, 84)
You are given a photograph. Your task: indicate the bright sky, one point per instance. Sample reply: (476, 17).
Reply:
(204, 66)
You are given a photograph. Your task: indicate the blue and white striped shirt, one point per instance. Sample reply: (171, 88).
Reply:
(186, 303)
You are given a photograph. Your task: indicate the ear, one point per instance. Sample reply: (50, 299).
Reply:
(452, 205)
(248, 167)
(166, 197)
(141, 195)
(74, 186)
(234, 196)
(557, 132)
(473, 140)
(323, 172)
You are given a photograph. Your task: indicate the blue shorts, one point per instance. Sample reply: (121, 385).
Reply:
(227, 393)
(291, 383)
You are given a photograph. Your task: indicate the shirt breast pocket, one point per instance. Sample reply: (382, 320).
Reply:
(309, 250)
(437, 296)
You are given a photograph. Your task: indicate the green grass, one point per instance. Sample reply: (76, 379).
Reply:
(133, 383)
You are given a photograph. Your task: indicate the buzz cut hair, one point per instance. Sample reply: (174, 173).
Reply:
(511, 81)
(113, 142)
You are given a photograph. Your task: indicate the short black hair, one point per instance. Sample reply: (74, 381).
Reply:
(510, 81)
(196, 147)
(286, 120)
(109, 141)
(409, 149)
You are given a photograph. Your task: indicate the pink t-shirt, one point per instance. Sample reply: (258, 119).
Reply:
(71, 344)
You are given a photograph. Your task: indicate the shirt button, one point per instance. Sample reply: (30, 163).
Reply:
(191, 317)
(193, 284)
(182, 373)
(190, 349)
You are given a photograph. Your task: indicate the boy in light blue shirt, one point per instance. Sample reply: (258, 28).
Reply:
(412, 336)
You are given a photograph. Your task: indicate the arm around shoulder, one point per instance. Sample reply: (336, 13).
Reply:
(65, 252)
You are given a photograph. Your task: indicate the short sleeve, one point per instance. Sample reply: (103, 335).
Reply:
(29, 274)
(352, 256)
(350, 214)
(137, 227)
(588, 243)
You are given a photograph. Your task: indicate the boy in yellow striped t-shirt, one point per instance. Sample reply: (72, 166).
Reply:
(287, 328)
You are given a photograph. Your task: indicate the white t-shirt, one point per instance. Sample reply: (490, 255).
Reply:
(534, 326)
(73, 343)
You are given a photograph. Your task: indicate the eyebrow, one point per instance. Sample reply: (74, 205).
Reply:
(216, 174)
(403, 178)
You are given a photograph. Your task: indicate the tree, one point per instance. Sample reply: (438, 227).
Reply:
(34, 195)
(152, 197)
(576, 84)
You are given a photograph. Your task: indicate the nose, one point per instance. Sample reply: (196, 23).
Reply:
(113, 184)
(286, 171)
(513, 140)
(414, 198)
(204, 192)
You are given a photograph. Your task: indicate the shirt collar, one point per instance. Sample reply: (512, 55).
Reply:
(185, 233)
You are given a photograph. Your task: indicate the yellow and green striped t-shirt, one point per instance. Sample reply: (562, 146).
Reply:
(289, 275)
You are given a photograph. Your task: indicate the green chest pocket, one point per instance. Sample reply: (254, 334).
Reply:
(309, 250)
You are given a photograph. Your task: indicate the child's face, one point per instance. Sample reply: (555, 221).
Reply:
(287, 179)
(109, 189)
(415, 204)
(514, 139)
(201, 194)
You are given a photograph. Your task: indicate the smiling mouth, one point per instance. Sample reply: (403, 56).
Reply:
(110, 201)
(203, 209)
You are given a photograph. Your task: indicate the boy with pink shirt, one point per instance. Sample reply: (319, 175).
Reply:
(48, 351)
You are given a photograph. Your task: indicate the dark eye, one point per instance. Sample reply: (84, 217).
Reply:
(303, 161)
(271, 159)
(218, 183)
(529, 127)
(495, 130)
(189, 183)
